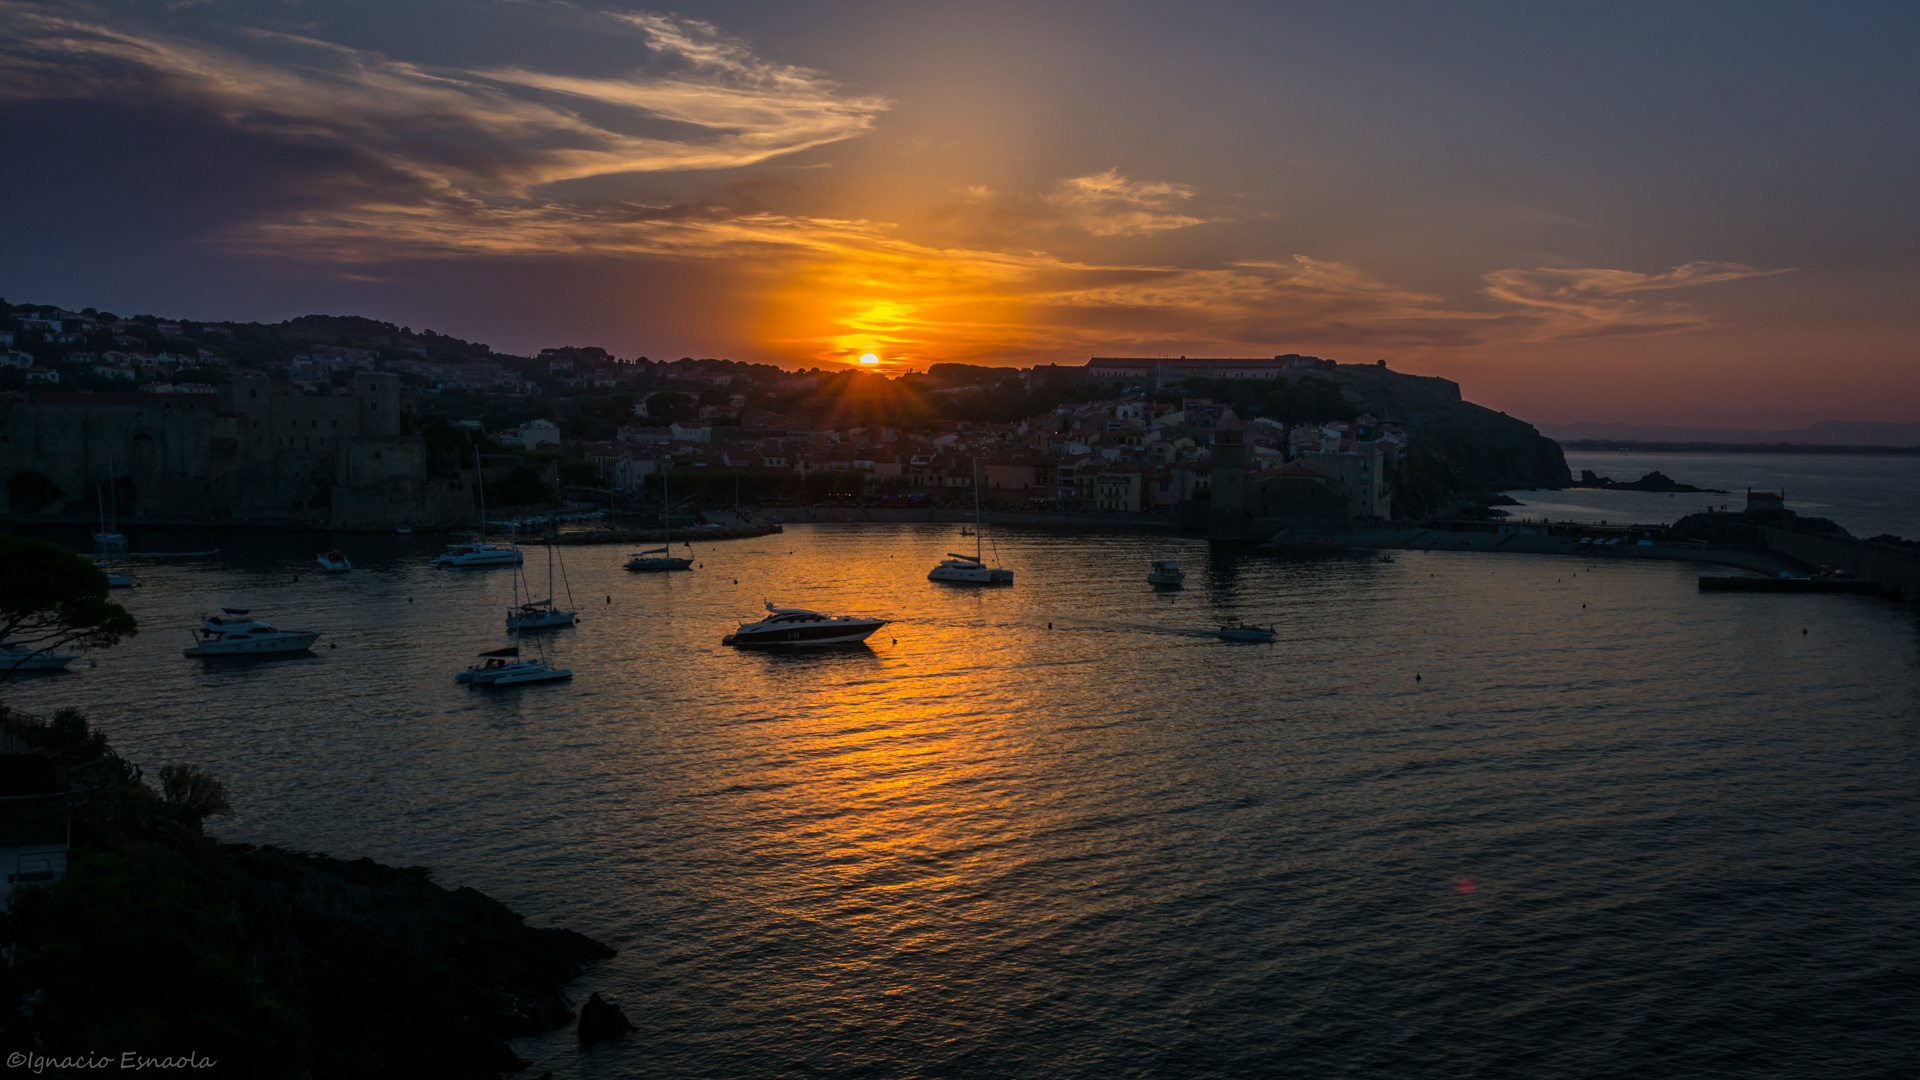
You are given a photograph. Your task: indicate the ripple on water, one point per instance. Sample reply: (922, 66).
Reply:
(1661, 835)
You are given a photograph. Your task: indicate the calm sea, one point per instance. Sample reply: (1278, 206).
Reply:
(1867, 494)
(1469, 816)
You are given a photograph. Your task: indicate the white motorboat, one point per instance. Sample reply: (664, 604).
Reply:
(235, 633)
(1165, 573)
(21, 658)
(119, 581)
(971, 569)
(1246, 632)
(333, 562)
(788, 627)
(479, 553)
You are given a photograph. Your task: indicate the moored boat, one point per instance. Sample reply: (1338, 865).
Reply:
(1247, 632)
(957, 569)
(479, 553)
(788, 627)
(333, 562)
(656, 560)
(235, 633)
(1165, 573)
(20, 658)
(505, 667)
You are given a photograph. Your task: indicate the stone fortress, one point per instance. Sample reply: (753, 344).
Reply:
(249, 451)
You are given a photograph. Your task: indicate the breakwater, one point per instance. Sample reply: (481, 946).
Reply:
(656, 536)
(1895, 569)
(1521, 539)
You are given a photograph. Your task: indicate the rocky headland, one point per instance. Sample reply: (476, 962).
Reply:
(272, 963)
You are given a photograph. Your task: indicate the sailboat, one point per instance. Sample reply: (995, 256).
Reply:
(539, 614)
(109, 537)
(662, 557)
(479, 553)
(971, 569)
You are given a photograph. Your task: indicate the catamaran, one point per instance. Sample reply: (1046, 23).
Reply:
(971, 569)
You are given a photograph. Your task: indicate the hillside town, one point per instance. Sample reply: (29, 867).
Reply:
(353, 424)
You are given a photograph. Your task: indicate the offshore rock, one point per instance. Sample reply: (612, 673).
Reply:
(600, 1021)
(1656, 481)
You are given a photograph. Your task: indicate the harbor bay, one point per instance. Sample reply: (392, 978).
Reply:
(1550, 815)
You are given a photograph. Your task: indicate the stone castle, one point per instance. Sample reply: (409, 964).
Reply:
(250, 451)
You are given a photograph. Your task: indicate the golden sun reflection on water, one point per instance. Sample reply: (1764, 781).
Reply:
(983, 847)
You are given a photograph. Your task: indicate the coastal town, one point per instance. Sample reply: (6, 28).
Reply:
(159, 420)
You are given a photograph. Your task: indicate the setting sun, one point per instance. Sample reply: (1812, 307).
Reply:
(869, 358)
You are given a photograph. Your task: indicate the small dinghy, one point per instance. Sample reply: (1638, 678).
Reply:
(1246, 633)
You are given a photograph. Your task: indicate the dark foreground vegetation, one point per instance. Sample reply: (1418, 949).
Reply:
(163, 942)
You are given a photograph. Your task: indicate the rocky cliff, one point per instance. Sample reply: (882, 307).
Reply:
(1457, 448)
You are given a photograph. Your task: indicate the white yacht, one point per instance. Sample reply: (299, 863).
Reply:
(971, 569)
(798, 626)
(479, 553)
(333, 562)
(235, 633)
(21, 658)
(1165, 573)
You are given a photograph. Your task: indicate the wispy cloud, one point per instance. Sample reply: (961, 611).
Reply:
(1108, 204)
(473, 137)
(1592, 302)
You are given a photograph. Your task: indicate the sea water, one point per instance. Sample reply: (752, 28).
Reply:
(1468, 815)
(1868, 494)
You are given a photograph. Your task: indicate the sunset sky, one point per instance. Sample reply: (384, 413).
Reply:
(1659, 213)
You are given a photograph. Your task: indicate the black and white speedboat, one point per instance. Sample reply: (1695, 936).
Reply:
(798, 626)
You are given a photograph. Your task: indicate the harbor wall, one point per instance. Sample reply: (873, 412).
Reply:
(1894, 569)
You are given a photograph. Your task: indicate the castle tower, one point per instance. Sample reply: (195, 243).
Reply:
(379, 395)
(1226, 519)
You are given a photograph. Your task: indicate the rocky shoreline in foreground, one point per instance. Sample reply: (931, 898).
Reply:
(267, 962)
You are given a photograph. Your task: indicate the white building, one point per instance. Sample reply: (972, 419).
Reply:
(532, 435)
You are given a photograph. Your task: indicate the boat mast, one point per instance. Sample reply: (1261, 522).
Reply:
(480, 482)
(976, 509)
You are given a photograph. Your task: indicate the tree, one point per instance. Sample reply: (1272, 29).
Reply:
(50, 597)
(668, 406)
